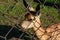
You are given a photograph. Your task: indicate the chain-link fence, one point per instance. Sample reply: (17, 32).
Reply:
(12, 13)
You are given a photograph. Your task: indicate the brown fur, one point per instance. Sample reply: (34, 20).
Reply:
(52, 32)
(43, 34)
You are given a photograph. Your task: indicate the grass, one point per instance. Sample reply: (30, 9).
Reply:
(49, 14)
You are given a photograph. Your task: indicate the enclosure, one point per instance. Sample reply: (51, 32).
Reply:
(12, 14)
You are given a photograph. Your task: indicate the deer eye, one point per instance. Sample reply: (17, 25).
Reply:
(30, 19)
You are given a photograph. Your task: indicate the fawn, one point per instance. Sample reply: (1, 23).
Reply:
(32, 20)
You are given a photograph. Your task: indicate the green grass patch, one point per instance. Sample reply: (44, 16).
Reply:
(49, 15)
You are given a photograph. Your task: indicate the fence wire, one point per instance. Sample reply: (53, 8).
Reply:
(15, 32)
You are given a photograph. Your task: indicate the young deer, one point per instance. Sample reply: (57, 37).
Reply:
(32, 20)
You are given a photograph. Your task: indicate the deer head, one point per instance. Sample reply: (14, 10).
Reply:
(32, 17)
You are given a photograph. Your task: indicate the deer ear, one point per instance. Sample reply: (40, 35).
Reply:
(38, 1)
(29, 8)
(25, 3)
(38, 9)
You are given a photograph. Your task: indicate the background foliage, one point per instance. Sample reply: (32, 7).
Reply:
(13, 12)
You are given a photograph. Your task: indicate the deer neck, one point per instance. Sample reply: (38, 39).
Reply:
(38, 30)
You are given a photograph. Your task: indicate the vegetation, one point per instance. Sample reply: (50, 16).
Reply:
(11, 11)
(14, 9)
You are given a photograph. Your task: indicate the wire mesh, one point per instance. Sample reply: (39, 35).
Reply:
(15, 32)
